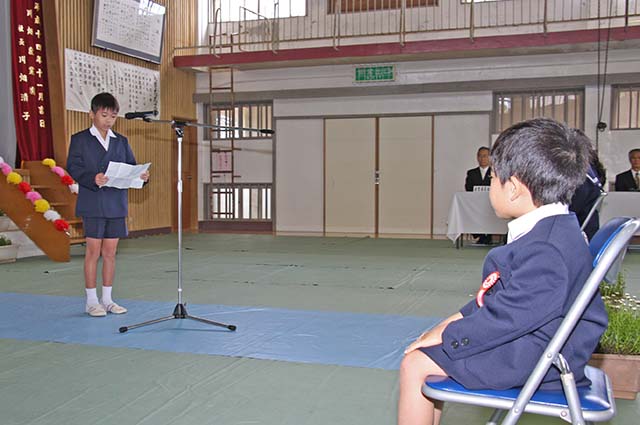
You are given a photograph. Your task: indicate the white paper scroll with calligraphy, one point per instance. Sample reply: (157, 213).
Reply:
(136, 88)
(131, 27)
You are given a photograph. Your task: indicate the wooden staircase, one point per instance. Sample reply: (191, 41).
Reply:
(43, 180)
(54, 243)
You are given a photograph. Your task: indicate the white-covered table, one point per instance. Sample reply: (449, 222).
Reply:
(620, 204)
(471, 212)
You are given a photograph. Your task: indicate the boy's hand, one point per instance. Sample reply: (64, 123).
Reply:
(432, 336)
(101, 179)
(145, 176)
(427, 339)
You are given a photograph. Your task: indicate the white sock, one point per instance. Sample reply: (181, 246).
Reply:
(92, 296)
(106, 295)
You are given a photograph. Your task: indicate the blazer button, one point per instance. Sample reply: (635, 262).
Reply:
(455, 344)
(464, 341)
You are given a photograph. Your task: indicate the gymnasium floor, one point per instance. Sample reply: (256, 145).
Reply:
(321, 326)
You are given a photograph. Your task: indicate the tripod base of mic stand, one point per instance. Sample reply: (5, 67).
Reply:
(179, 312)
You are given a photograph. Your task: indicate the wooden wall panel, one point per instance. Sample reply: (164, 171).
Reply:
(151, 207)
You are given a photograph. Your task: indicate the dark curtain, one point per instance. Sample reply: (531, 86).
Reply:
(29, 75)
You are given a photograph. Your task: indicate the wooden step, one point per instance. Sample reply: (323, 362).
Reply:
(77, 240)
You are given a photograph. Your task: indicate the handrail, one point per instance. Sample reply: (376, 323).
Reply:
(472, 20)
(242, 11)
(337, 14)
(369, 20)
(215, 31)
(403, 25)
(275, 31)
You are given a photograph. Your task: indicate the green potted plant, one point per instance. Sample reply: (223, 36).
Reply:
(619, 350)
(8, 251)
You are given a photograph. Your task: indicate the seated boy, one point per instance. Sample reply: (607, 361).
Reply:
(528, 285)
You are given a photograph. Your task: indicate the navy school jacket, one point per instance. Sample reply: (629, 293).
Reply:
(87, 158)
(496, 346)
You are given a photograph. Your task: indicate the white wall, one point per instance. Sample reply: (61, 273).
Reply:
(299, 176)
(570, 70)
(379, 105)
(457, 139)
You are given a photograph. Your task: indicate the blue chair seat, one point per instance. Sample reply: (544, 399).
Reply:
(593, 398)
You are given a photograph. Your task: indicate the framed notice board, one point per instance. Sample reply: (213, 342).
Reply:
(130, 27)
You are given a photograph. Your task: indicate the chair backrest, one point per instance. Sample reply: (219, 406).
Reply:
(611, 251)
(594, 208)
(603, 236)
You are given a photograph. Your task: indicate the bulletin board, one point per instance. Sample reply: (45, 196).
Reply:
(130, 27)
(135, 87)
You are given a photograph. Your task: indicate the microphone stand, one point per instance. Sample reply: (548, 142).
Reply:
(180, 311)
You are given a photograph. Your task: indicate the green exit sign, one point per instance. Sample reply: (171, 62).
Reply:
(375, 74)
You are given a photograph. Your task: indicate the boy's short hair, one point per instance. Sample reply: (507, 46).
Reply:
(482, 148)
(550, 159)
(104, 101)
(632, 151)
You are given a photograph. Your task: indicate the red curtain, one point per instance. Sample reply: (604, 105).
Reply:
(30, 91)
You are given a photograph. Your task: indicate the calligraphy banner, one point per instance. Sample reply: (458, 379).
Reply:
(29, 74)
(135, 87)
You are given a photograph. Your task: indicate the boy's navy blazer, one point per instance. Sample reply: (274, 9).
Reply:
(497, 345)
(87, 158)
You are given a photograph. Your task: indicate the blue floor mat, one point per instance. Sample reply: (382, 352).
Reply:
(346, 339)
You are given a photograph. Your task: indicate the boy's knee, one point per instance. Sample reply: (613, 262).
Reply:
(108, 254)
(412, 362)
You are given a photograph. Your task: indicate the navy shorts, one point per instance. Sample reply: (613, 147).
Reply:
(105, 228)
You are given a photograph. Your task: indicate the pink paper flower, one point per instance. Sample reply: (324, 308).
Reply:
(6, 168)
(33, 196)
(58, 170)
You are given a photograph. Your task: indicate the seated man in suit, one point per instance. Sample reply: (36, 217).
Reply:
(629, 181)
(480, 176)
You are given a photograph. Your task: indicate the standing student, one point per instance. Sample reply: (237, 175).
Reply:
(103, 209)
(495, 341)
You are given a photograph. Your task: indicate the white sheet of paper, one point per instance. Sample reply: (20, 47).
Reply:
(125, 176)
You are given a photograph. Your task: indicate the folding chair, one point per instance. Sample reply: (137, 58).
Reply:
(595, 207)
(576, 405)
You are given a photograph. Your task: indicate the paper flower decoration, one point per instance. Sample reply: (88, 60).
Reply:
(49, 162)
(58, 170)
(14, 178)
(6, 168)
(52, 215)
(33, 196)
(41, 205)
(24, 187)
(61, 225)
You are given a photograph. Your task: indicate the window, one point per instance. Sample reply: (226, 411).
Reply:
(566, 106)
(241, 10)
(625, 111)
(352, 6)
(256, 116)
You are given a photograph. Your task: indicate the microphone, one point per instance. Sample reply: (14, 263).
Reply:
(143, 114)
